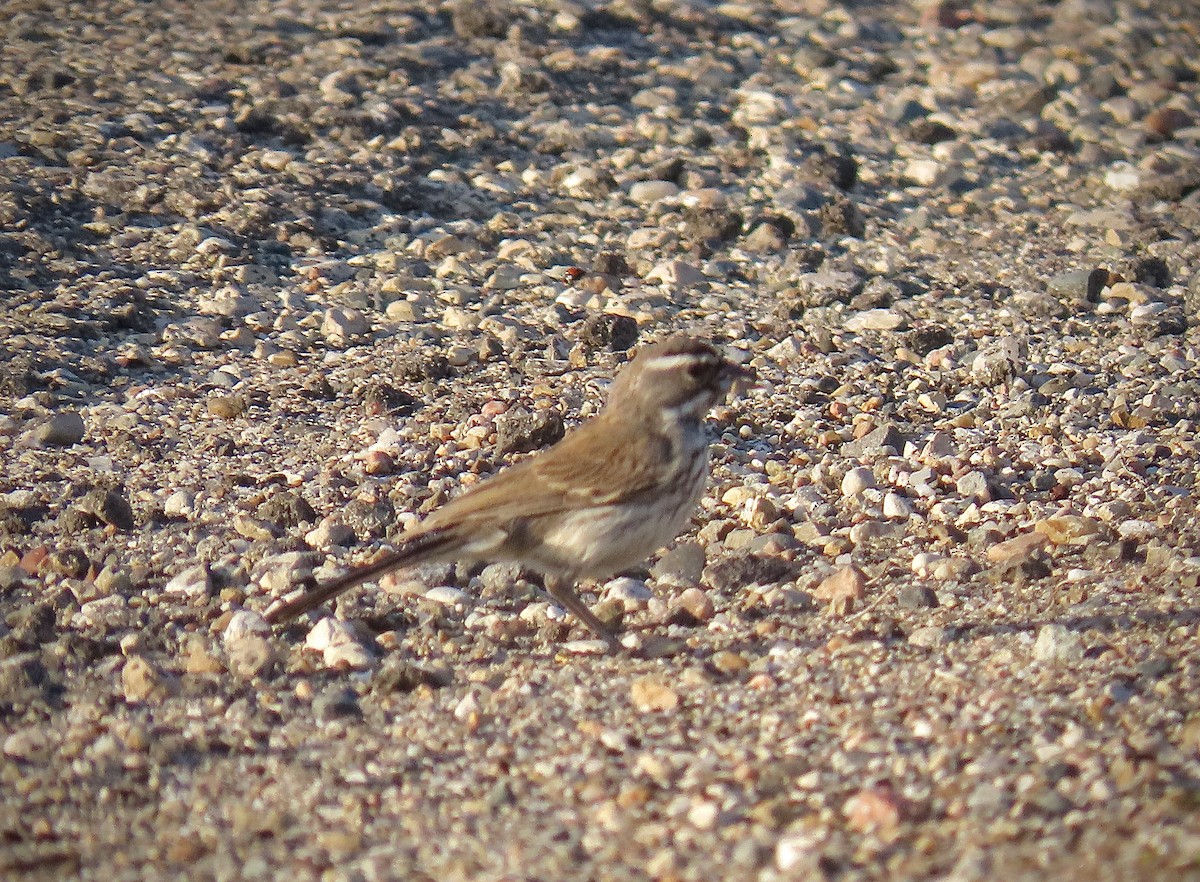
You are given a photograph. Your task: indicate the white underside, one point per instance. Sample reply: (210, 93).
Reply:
(599, 542)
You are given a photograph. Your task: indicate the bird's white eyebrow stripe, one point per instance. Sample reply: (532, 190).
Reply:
(670, 362)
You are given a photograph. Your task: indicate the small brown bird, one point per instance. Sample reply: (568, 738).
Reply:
(598, 502)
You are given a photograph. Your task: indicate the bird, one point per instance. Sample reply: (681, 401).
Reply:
(601, 500)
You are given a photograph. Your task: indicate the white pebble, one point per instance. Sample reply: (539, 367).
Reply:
(857, 480)
(244, 623)
(896, 506)
(195, 581)
(924, 563)
(448, 595)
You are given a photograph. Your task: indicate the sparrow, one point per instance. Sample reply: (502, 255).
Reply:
(601, 500)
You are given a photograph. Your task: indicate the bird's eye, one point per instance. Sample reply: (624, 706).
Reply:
(698, 370)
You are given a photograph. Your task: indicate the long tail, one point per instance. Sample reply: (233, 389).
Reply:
(420, 549)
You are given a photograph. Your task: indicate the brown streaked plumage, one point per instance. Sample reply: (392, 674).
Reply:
(599, 501)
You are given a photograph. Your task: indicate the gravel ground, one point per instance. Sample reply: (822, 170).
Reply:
(280, 277)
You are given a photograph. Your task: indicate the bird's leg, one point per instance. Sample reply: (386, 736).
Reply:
(563, 590)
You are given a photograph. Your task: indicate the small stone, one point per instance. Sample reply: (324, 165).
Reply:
(200, 660)
(142, 681)
(180, 504)
(929, 637)
(923, 172)
(632, 594)
(520, 431)
(327, 631)
(874, 809)
(1058, 643)
(924, 562)
(650, 694)
(353, 656)
(897, 507)
(766, 237)
(244, 623)
(226, 407)
(113, 581)
(1071, 286)
(109, 507)
(649, 192)
(195, 581)
(1018, 550)
(1068, 529)
(681, 565)
(330, 533)
(609, 330)
(729, 663)
(1138, 529)
(740, 570)
(697, 604)
(916, 597)
(676, 273)
(505, 277)
(448, 595)
(759, 512)
(856, 481)
(341, 325)
(253, 528)
(974, 486)
(378, 462)
(61, 430)
(275, 160)
(339, 645)
(874, 320)
(586, 647)
(336, 702)
(26, 744)
(886, 435)
(398, 675)
(250, 655)
(467, 708)
(842, 590)
(799, 853)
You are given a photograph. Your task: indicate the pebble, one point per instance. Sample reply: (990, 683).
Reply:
(142, 681)
(330, 533)
(249, 656)
(180, 504)
(916, 597)
(897, 506)
(650, 694)
(681, 565)
(1018, 550)
(875, 809)
(242, 624)
(676, 273)
(874, 320)
(842, 590)
(339, 645)
(342, 326)
(195, 581)
(856, 481)
(448, 595)
(1057, 643)
(61, 430)
(929, 637)
(632, 594)
(649, 192)
(697, 604)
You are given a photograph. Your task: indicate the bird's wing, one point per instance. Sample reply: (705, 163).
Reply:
(592, 466)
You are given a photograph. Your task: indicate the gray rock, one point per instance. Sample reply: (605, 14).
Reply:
(61, 430)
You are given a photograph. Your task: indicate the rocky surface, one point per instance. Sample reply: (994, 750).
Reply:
(278, 278)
